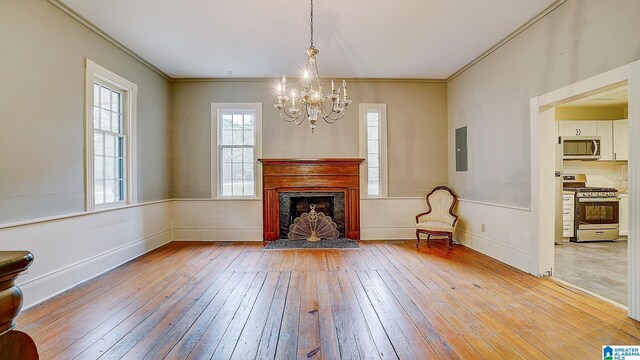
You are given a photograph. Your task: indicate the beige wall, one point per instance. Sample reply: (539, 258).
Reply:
(43, 53)
(417, 129)
(577, 40)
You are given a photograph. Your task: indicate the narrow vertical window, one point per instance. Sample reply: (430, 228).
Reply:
(110, 129)
(373, 147)
(236, 140)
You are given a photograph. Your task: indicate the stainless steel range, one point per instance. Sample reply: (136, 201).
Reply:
(597, 211)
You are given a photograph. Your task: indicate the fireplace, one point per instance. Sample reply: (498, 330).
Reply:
(292, 185)
(293, 204)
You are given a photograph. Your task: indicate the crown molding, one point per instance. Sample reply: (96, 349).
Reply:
(502, 42)
(352, 80)
(89, 25)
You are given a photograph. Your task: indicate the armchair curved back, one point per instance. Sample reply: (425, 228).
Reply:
(440, 202)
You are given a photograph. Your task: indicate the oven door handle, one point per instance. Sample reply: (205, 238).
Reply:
(599, 199)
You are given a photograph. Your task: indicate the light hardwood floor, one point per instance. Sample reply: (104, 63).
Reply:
(191, 300)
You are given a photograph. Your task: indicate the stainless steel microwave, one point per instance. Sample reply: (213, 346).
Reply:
(580, 147)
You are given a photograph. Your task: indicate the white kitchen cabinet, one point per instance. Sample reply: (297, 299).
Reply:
(624, 214)
(577, 128)
(605, 131)
(621, 140)
(568, 203)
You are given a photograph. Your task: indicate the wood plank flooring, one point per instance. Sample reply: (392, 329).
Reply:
(194, 300)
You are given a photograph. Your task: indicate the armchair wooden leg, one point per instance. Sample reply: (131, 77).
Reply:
(428, 239)
(450, 237)
(418, 236)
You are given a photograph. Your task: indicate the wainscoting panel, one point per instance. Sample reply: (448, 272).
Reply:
(390, 218)
(217, 220)
(74, 249)
(504, 236)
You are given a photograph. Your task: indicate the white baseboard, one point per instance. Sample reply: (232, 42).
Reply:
(217, 234)
(55, 282)
(494, 249)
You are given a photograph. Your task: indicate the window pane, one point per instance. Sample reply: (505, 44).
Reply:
(372, 119)
(226, 122)
(372, 133)
(237, 187)
(226, 171)
(248, 171)
(237, 122)
(247, 155)
(226, 155)
(96, 117)
(96, 94)
(121, 190)
(226, 138)
(226, 187)
(110, 191)
(98, 167)
(237, 138)
(373, 175)
(115, 123)
(249, 188)
(115, 102)
(372, 160)
(98, 191)
(237, 155)
(105, 120)
(373, 189)
(249, 122)
(109, 145)
(237, 171)
(249, 138)
(372, 146)
(105, 98)
(109, 168)
(120, 168)
(98, 143)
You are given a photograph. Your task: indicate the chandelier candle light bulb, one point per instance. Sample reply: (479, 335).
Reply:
(311, 100)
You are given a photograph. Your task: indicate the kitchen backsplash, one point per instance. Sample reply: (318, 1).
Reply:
(600, 173)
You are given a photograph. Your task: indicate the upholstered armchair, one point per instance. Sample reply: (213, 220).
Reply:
(439, 220)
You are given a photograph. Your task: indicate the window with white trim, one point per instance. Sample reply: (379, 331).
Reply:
(373, 147)
(109, 141)
(237, 134)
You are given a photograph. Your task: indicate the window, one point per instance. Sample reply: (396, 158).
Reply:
(236, 129)
(373, 147)
(109, 138)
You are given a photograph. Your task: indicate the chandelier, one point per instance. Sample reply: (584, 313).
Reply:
(309, 102)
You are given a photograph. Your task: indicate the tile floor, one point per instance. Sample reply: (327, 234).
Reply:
(600, 267)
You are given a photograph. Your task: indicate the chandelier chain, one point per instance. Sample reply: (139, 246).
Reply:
(311, 23)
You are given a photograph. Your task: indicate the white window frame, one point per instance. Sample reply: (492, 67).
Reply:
(129, 90)
(381, 108)
(216, 184)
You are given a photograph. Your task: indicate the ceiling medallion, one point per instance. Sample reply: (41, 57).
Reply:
(309, 102)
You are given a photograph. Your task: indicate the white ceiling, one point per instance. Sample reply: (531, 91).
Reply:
(611, 97)
(357, 39)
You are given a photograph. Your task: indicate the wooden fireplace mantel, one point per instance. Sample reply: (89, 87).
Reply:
(310, 175)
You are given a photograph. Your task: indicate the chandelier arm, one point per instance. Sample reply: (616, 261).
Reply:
(333, 120)
(290, 117)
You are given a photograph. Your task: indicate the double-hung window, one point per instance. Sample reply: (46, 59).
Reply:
(373, 147)
(237, 134)
(109, 142)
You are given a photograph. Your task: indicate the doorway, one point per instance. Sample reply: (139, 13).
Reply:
(544, 136)
(590, 249)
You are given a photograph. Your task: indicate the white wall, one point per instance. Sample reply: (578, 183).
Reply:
(577, 40)
(73, 249)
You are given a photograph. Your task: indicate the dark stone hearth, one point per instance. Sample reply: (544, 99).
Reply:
(294, 204)
(304, 244)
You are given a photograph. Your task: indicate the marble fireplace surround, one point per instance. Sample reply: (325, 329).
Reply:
(320, 177)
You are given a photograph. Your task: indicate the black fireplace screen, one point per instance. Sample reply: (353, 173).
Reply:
(294, 204)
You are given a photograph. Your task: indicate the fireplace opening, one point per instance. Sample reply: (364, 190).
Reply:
(294, 204)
